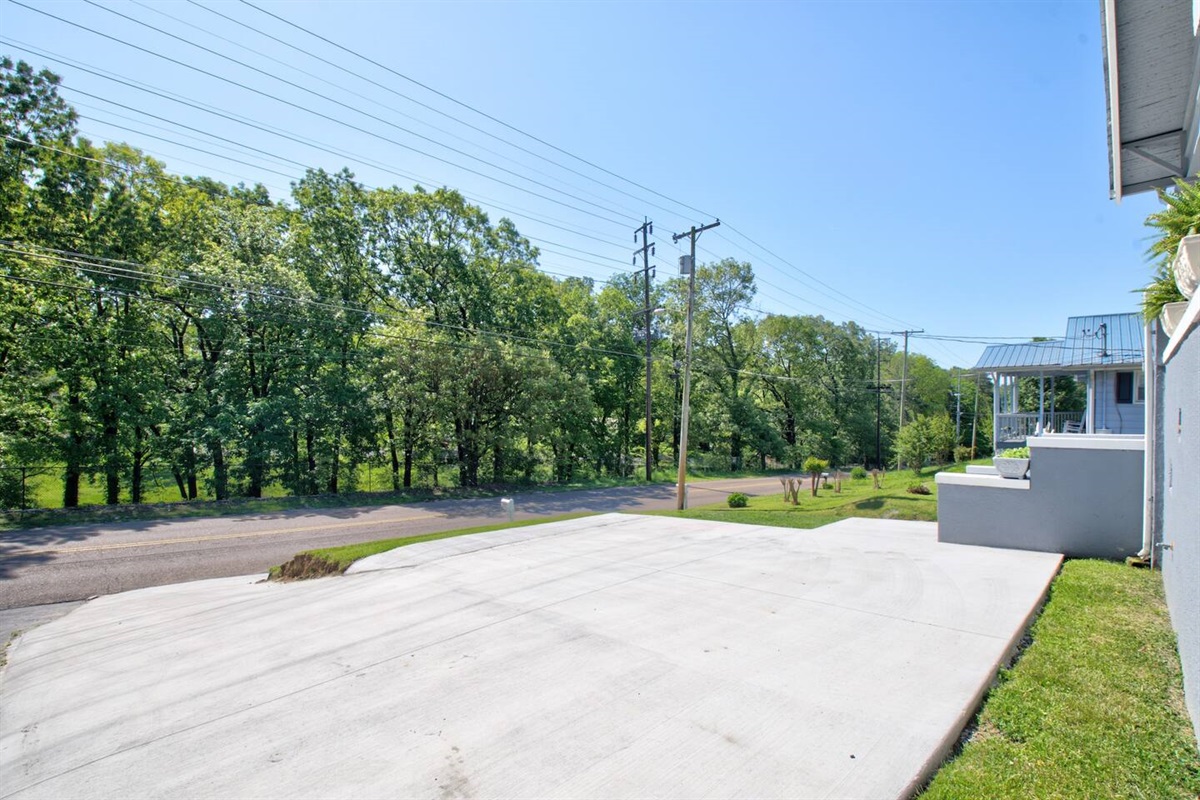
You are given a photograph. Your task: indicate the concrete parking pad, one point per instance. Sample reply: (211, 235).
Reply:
(614, 656)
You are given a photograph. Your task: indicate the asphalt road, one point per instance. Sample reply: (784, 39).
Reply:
(58, 565)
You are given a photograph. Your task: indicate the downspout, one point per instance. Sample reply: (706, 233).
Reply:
(1150, 371)
(1091, 401)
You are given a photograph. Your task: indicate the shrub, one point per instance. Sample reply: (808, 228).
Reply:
(815, 466)
(1016, 452)
(918, 488)
(962, 453)
(738, 500)
(859, 473)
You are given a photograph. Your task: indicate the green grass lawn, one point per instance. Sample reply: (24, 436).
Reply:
(336, 560)
(1093, 708)
(858, 498)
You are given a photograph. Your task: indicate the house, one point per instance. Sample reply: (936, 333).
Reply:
(1107, 353)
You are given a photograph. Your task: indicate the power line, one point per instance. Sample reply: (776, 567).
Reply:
(410, 99)
(125, 269)
(346, 90)
(328, 117)
(475, 110)
(130, 168)
(335, 101)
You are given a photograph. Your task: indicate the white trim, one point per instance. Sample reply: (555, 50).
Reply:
(1083, 441)
(1114, 95)
(1190, 318)
(989, 481)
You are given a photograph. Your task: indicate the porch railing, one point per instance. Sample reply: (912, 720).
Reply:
(1024, 425)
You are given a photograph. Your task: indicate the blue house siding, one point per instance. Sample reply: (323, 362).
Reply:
(1113, 416)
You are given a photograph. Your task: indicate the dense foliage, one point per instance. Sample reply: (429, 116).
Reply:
(230, 343)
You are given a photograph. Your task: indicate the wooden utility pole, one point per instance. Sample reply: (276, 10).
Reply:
(904, 378)
(904, 373)
(687, 265)
(647, 249)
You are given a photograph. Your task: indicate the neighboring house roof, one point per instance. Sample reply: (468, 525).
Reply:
(1102, 340)
(1150, 70)
(1029, 355)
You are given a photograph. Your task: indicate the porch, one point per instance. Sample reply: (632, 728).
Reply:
(1020, 426)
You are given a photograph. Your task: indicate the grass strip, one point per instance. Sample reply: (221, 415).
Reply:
(336, 560)
(858, 498)
(1094, 706)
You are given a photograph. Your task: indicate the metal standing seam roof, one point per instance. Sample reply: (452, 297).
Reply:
(1104, 340)
(1092, 341)
(1027, 355)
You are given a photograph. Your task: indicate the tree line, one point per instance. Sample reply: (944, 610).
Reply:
(238, 341)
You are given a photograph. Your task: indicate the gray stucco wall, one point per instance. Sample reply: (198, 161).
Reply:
(1081, 503)
(1179, 487)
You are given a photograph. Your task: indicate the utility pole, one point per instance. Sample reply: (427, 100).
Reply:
(647, 249)
(880, 390)
(878, 407)
(687, 264)
(975, 416)
(958, 411)
(904, 376)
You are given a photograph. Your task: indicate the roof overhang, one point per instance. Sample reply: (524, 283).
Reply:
(1152, 73)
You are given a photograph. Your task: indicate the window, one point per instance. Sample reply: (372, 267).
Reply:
(1124, 388)
(1131, 387)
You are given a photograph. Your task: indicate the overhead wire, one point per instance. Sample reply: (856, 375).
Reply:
(126, 269)
(131, 168)
(352, 92)
(335, 120)
(508, 210)
(734, 230)
(475, 110)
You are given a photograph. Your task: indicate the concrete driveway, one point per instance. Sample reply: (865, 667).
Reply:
(614, 656)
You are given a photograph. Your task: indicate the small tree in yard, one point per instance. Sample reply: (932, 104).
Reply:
(941, 438)
(912, 444)
(815, 466)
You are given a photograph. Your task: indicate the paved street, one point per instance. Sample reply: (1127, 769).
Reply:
(55, 565)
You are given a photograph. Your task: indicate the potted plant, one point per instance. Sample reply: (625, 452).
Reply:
(1012, 463)
(1158, 295)
(1187, 265)
(1172, 315)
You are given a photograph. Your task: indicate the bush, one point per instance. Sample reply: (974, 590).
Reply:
(738, 500)
(812, 465)
(1016, 452)
(859, 473)
(962, 453)
(815, 466)
(918, 488)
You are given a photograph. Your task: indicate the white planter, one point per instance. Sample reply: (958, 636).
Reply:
(1172, 315)
(1011, 467)
(1187, 265)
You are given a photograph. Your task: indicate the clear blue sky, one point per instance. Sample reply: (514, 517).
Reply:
(939, 165)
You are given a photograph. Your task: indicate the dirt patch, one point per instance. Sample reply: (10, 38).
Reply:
(305, 566)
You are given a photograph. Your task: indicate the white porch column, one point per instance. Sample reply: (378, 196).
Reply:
(995, 410)
(1042, 402)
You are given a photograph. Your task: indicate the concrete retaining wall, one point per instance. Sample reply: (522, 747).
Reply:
(1083, 499)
